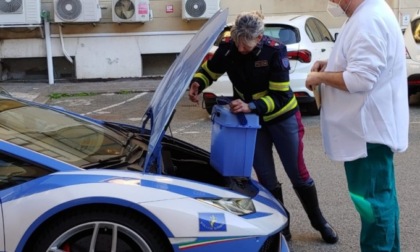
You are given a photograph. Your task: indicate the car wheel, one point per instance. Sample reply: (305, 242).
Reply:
(312, 108)
(100, 230)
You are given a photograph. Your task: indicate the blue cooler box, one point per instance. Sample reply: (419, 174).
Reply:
(233, 142)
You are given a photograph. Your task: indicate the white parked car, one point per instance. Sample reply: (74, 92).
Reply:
(307, 40)
(412, 45)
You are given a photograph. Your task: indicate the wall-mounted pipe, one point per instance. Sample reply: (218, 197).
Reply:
(399, 12)
(62, 46)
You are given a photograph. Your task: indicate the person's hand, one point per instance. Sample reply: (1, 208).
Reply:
(312, 81)
(238, 106)
(193, 92)
(319, 66)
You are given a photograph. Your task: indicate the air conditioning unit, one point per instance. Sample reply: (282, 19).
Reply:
(127, 11)
(199, 9)
(18, 12)
(66, 11)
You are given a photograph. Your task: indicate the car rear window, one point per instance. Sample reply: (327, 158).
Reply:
(286, 34)
(415, 27)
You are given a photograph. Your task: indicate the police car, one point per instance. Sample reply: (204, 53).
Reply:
(307, 40)
(73, 183)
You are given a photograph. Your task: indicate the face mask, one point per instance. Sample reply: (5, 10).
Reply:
(334, 9)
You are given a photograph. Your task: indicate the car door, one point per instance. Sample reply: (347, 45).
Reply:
(322, 40)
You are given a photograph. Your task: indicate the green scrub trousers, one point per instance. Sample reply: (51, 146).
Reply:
(371, 184)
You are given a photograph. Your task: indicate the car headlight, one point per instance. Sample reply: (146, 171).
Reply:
(235, 206)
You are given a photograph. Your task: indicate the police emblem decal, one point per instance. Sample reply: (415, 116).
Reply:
(212, 222)
(285, 62)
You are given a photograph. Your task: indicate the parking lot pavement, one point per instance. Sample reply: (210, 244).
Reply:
(329, 176)
(40, 91)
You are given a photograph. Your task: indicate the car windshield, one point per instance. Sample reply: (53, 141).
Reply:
(415, 27)
(57, 135)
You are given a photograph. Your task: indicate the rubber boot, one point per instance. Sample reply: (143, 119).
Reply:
(278, 194)
(309, 199)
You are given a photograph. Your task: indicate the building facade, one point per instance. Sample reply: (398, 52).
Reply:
(106, 39)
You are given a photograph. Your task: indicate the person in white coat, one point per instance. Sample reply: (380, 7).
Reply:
(365, 113)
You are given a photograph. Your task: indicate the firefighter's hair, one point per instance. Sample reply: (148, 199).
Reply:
(247, 27)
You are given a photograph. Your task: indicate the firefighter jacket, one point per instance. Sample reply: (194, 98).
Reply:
(261, 76)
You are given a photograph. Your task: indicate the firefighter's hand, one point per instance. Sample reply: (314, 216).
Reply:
(193, 92)
(238, 106)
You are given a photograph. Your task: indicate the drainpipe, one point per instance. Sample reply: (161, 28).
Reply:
(46, 16)
(62, 45)
(399, 12)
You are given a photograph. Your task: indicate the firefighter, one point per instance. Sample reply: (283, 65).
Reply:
(258, 68)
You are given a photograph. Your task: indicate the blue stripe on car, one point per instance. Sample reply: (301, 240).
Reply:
(16, 150)
(52, 181)
(255, 215)
(47, 183)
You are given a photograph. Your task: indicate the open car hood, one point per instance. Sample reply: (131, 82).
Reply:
(175, 83)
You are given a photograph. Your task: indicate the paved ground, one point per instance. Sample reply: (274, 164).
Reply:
(329, 177)
(40, 91)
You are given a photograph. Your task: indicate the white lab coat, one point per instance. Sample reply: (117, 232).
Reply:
(371, 52)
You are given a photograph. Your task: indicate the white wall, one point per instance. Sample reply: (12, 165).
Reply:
(117, 56)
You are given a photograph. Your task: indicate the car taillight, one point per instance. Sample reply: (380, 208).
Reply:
(301, 94)
(304, 56)
(413, 82)
(208, 96)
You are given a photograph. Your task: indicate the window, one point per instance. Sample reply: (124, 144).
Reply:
(325, 33)
(57, 135)
(14, 171)
(285, 34)
(317, 31)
